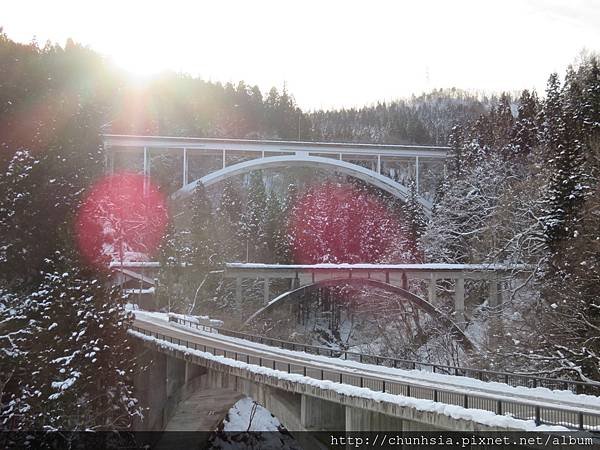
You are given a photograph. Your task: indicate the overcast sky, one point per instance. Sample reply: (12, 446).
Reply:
(330, 53)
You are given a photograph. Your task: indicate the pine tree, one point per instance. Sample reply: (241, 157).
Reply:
(566, 183)
(228, 218)
(204, 248)
(253, 218)
(274, 230)
(203, 254)
(172, 276)
(416, 221)
(526, 134)
(455, 160)
(80, 327)
(18, 206)
(502, 124)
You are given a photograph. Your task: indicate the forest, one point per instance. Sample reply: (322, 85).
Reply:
(521, 186)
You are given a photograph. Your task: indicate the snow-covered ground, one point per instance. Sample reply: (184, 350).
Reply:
(247, 415)
(266, 430)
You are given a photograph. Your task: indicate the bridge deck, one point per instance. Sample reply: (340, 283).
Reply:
(207, 144)
(426, 271)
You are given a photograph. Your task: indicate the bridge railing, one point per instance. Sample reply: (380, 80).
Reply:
(570, 418)
(512, 379)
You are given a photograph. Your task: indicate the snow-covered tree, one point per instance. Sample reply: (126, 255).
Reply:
(68, 331)
(253, 218)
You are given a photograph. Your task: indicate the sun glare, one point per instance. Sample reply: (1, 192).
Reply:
(139, 65)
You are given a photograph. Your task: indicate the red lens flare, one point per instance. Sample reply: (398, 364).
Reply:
(334, 223)
(123, 218)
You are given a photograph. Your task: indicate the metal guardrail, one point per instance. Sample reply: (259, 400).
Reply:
(576, 420)
(512, 379)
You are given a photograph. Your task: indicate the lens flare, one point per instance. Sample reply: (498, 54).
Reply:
(122, 218)
(334, 223)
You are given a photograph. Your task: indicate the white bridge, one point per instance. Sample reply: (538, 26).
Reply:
(311, 388)
(208, 160)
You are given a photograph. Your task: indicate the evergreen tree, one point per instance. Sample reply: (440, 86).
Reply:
(416, 221)
(172, 277)
(80, 328)
(228, 217)
(526, 134)
(253, 219)
(203, 253)
(274, 230)
(204, 248)
(455, 160)
(566, 184)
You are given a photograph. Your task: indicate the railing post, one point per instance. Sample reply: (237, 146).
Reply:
(435, 395)
(580, 417)
(408, 390)
(466, 401)
(537, 415)
(499, 407)
(383, 385)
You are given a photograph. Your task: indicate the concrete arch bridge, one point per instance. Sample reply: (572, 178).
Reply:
(391, 277)
(208, 161)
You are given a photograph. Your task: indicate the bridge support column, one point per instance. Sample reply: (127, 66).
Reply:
(496, 331)
(432, 288)
(151, 389)
(322, 415)
(295, 282)
(267, 294)
(364, 420)
(185, 167)
(192, 371)
(494, 293)
(459, 302)
(238, 294)
(175, 375)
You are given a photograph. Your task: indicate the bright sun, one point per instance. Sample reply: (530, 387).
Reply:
(138, 63)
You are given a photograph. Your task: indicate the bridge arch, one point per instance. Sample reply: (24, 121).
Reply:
(374, 178)
(414, 299)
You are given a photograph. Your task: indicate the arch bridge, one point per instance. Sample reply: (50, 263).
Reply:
(393, 277)
(210, 160)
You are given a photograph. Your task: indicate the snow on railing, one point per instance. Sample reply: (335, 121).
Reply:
(509, 378)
